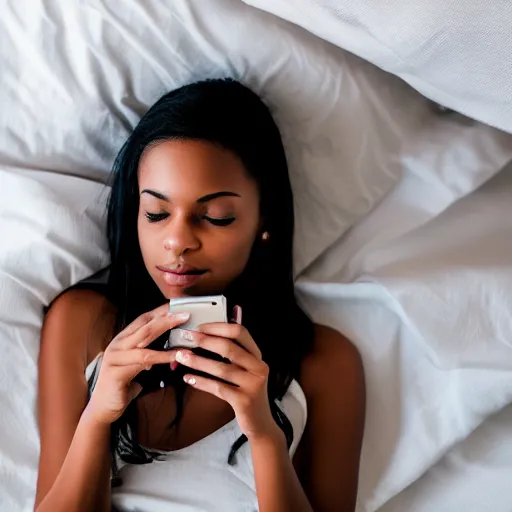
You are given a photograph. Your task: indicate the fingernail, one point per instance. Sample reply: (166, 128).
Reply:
(190, 381)
(182, 316)
(238, 314)
(181, 356)
(174, 365)
(187, 335)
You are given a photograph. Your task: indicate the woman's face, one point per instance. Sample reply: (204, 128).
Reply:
(198, 216)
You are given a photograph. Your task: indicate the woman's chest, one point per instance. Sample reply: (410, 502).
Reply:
(201, 415)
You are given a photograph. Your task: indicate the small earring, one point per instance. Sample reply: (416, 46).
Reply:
(265, 236)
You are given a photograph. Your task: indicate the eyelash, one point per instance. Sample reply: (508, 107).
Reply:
(157, 217)
(220, 222)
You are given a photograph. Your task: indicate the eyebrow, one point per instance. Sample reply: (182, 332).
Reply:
(204, 199)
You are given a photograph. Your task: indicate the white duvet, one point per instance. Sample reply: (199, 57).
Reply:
(458, 54)
(373, 169)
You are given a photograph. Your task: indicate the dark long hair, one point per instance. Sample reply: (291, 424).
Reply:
(226, 113)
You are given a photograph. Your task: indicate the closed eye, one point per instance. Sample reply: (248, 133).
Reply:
(220, 222)
(156, 217)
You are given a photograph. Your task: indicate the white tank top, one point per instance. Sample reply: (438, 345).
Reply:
(198, 478)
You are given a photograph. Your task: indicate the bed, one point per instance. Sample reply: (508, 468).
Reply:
(403, 238)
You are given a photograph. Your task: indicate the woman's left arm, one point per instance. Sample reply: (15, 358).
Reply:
(327, 460)
(277, 485)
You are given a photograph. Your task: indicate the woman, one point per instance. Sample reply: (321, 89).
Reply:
(200, 204)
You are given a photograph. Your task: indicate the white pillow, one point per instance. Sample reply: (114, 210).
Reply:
(76, 76)
(455, 53)
(52, 236)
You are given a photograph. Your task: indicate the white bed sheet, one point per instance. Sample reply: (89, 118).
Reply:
(474, 476)
(427, 302)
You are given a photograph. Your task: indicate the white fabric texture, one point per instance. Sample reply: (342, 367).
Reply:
(428, 307)
(459, 54)
(52, 232)
(76, 76)
(474, 475)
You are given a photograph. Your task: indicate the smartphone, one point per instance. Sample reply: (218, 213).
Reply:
(203, 310)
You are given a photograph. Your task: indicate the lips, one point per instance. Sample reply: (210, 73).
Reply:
(182, 276)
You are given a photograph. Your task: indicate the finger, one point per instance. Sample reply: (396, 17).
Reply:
(141, 356)
(228, 372)
(234, 332)
(144, 319)
(237, 315)
(128, 372)
(149, 332)
(225, 348)
(219, 389)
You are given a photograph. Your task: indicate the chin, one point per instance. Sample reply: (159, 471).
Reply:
(178, 292)
(198, 290)
(175, 292)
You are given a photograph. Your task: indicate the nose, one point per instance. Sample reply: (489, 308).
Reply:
(180, 237)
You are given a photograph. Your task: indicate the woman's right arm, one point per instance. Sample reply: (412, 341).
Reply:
(83, 482)
(78, 325)
(74, 468)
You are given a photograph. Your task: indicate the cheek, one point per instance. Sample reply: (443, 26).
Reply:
(145, 243)
(234, 253)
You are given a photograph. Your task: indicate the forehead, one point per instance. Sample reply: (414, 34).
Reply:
(199, 167)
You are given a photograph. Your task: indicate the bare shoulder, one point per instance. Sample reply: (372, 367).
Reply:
(81, 314)
(327, 460)
(334, 359)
